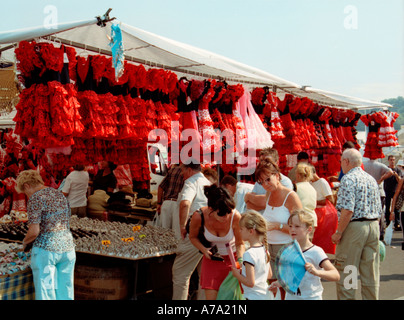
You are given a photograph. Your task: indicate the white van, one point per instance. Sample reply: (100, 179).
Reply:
(158, 164)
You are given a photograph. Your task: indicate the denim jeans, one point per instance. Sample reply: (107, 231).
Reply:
(53, 274)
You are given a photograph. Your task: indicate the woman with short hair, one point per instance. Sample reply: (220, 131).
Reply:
(53, 256)
(75, 190)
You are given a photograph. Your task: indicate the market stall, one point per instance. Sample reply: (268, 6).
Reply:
(83, 102)
(110, 256)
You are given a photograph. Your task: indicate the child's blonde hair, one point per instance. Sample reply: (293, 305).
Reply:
(305, 171)
(303, 216)
(251, 219)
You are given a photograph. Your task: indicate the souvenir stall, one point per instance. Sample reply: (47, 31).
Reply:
(85, 99)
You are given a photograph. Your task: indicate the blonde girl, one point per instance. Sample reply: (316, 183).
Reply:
(256, 269)
(318, 265)
(306, 192)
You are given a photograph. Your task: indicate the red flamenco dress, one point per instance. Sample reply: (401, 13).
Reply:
(372, 149)
(210, 138)
(236, 92)
(387, 133)
(27, 58)
(276, 127)
(291, 143)
(190, 136)
(221, 123)
(325, 117)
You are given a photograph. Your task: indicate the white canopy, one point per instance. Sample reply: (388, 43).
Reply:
(157, 51)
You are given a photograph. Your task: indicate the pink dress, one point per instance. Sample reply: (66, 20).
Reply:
(258, 137)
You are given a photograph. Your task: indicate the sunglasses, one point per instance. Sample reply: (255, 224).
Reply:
(265, 181)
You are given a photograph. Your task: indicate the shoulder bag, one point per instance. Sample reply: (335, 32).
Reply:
(201, 233)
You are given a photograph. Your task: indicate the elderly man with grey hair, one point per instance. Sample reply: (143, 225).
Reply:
(357, 235)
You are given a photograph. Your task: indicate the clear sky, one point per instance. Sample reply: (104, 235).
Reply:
(352, 47)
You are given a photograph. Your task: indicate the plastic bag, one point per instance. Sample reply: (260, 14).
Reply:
(382, 251)
(230, 289)
(389, 234)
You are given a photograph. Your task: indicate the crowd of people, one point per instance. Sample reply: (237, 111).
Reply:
(219, 222)
(272, 213)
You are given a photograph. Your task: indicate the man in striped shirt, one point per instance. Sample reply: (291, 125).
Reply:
(167, 195)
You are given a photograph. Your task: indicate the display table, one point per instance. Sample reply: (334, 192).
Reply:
(115, 261)
(144, 252)
(120, 278)
(136, 215)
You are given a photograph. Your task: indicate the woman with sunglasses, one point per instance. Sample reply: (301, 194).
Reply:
(221, 226)
(281, 201)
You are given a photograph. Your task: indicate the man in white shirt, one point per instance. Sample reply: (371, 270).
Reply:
(237, 190)
(75, 190)
(323, 189)
(301, 157)
(190, 199)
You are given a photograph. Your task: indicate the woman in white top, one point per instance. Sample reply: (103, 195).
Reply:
(221, 226)
(281, 202)
(323, 189)
(307, 194)
(75, 190)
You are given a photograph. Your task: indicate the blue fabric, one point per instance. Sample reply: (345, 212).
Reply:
(290, 268)
(53, 274)
(116, 45)
(18, 286)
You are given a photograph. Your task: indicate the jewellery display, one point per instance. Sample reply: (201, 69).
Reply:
(12, 258)
(120, 239)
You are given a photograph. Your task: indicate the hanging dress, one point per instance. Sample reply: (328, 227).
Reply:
(258, 137)
(372, 149)
(387, 133)
(210, 138)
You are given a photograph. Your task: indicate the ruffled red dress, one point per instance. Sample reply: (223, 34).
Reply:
(210, 138)
(372, 149)
(387, 133)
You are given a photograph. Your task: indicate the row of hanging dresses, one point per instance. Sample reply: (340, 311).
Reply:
(298, 124)
(82, 111)
(87, 113)
(217, 117)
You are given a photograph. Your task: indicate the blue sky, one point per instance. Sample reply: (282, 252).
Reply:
(357, 52)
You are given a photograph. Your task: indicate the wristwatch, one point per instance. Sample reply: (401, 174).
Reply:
(338, 232)
(281, 226)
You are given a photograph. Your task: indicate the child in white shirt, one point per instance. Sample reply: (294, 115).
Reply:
(256, 268)
(318, 266)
